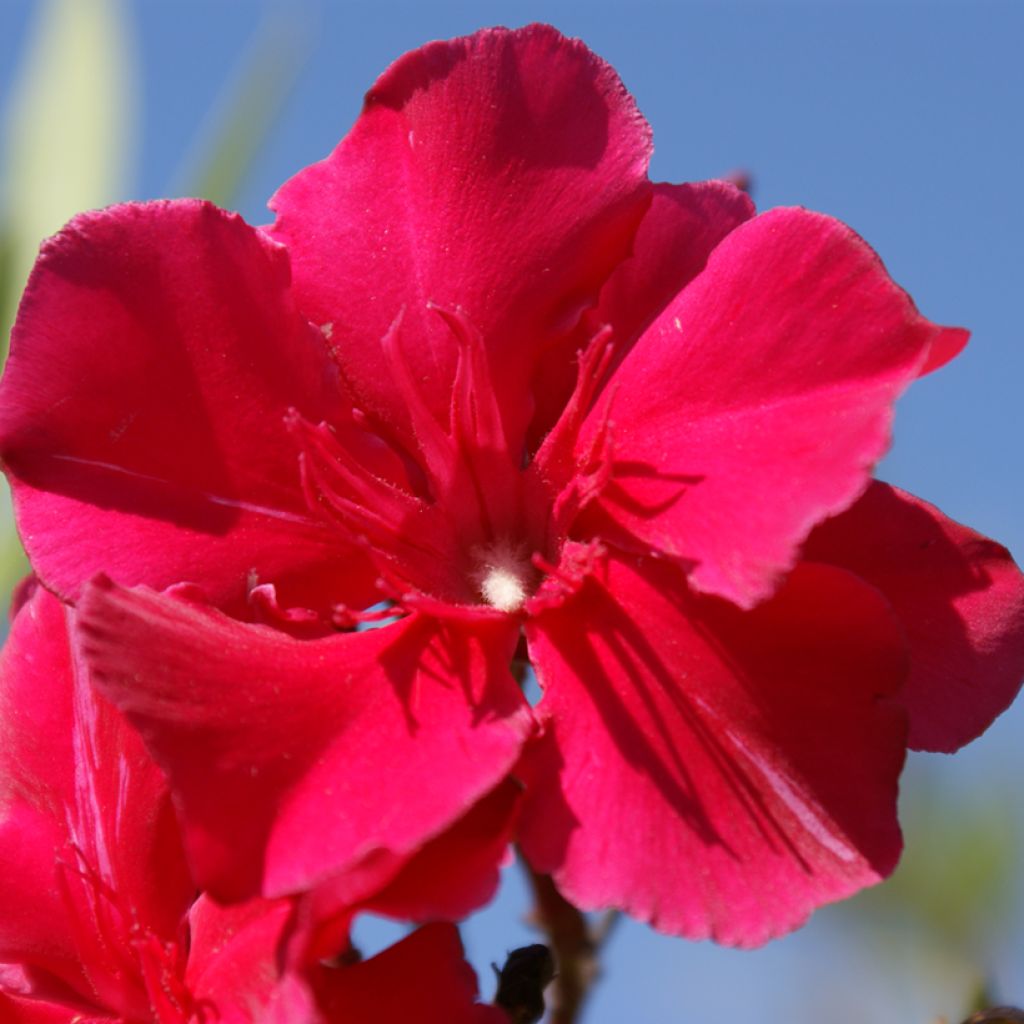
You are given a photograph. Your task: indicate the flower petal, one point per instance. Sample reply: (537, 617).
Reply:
(457, 872)
(154, 358)
(681, 228)
(294, 760)
(36, 785)
(758, 402)
(422, 978)
(715, 772)
(15, 1009)
(448, 878)
(503, 173)
(960, 598)
(232, 964)
(89, 845)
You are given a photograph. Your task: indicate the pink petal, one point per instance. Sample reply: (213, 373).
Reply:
(232, 965)
(447, 879)
(295, 760)
(233, 971)
(458, 872)
(503, 173)
(714, 772)
(423, 978)
(89, 846)
(947, 344)
(677, 235)
(758, 402)
(683, 226)
(36, 784)
(960, 598)
(29, 995)
(20, 1010)
(155, 356)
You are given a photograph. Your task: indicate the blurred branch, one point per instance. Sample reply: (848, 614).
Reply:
(997, 1015)
(576, 944)
(954, 882)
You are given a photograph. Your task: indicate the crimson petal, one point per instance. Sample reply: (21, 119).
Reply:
(503, 173)
(89, 846)
(294, 760)
(447, 879)
(36, 785)
(155, 356)
(232, 963)
(423, 978)
(23, 1010)
(680, 230)
(714, 772)
(960, 598)
(458, 872)
(757, 404)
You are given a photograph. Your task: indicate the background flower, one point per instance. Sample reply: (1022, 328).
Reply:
(101, 920)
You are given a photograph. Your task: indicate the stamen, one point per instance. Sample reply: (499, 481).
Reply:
(435, 445)
(476, 429)
(555, 456)
(576, 562)
(350, 618)
(593, 474)
(263, 600)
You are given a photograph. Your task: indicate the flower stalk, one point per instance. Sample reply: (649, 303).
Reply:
(577, 945)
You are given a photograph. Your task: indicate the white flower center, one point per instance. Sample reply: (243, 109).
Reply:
(504, 577)
(503, 590)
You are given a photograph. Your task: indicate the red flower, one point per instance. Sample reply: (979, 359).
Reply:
(100, 919)
(720, 606)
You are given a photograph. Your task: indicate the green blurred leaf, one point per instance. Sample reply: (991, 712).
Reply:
(13, 562)
(956, 879)
(248, 109)
(67, 130)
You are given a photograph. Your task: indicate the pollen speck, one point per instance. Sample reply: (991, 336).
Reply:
(327, 329)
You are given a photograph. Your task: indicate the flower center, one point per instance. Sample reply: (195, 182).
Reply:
(455, 518)
(505, 576)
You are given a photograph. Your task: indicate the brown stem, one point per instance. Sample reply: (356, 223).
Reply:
(575, 943)
(997, 1015)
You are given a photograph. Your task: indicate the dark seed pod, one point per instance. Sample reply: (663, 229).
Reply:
(521, 983)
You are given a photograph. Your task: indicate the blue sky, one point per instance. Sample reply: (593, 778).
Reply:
(903, 119)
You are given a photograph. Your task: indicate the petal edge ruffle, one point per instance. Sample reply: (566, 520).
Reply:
(758, 403)
(960, 598)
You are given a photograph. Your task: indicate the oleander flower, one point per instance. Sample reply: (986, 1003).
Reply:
(482, 368)
(101, 920)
